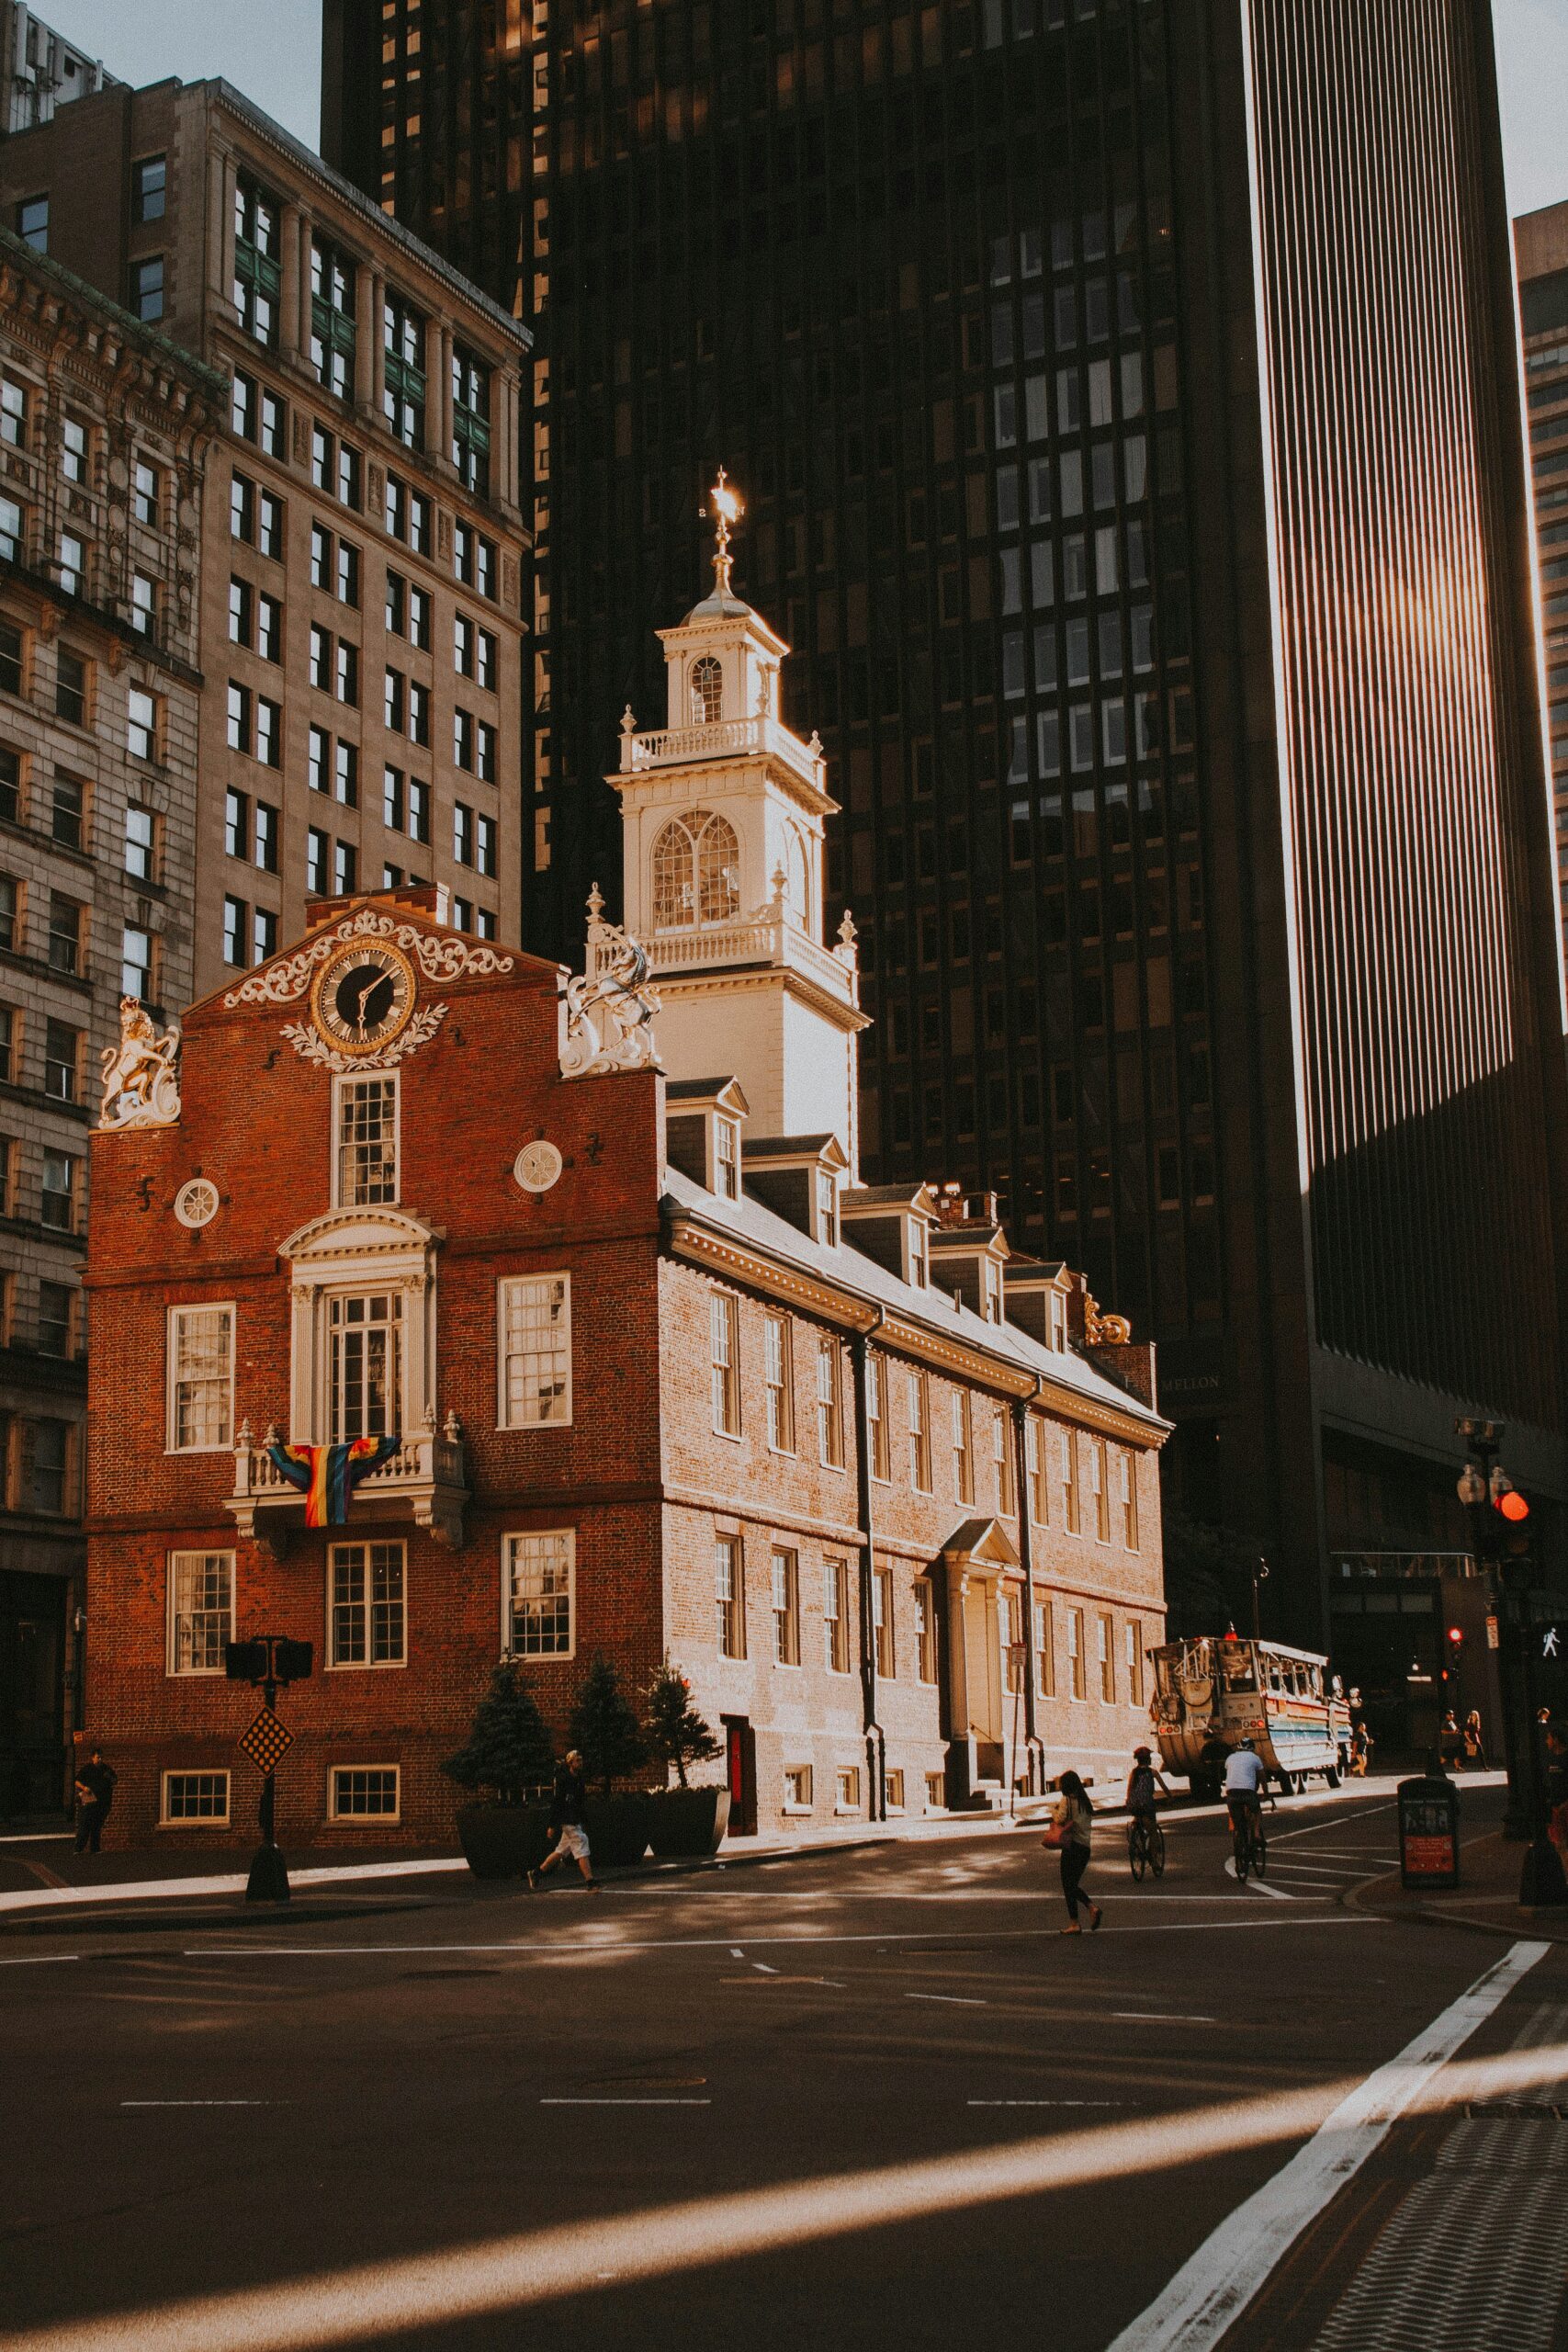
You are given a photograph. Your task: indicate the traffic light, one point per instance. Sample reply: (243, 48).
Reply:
(244, 1661)
(1514, 1512)
(1453, 1649)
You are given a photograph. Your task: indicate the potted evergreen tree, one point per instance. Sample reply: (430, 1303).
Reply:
(606, 1729)
(508, 1761)
(684, 1820)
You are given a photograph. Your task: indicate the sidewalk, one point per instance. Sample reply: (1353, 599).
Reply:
(1487, 1895)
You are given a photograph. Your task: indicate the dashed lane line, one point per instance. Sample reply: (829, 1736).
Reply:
(1260, 1885)
(1161, 2017)
(949, 2000)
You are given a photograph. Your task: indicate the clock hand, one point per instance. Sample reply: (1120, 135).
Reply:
(365, 995)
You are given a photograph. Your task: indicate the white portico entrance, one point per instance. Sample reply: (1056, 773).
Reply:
(981, 1570)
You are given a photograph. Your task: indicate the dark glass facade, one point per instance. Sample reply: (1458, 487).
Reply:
(1541, 246)
(1078, 362)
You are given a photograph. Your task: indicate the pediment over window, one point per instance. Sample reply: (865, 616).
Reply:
(360, 1233)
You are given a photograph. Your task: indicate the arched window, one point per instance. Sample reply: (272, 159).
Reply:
(696, 872)
(718, 872)
(707, 690)
(674, 901)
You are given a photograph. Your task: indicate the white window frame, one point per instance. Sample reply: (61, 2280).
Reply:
(170, 1362)
(801, 1799)
(1045, 1646)
(918, 1405)
(1057, 1333)
(1100, 1488)
(846, 1799)
(368, 1820)
(172, 1563)
(1127, 1483)
(926, 1637)
(895, 1789)
(836, 1622)
(193, 1820)
(1133, 1643)
(831, 1451)
(509, 1541)
(1105, 1655)
(879, 1436)
(1068, 1469)
(729, 1549)
(1034, 1466)
(366, 1665)
(725, 1306)
(825, 1208)
(1078, 1665)
(963, 1446)
(398, 1324)
(340, 1089)
(778, 1378)
(883, 1601)
(503, 1355)
(1001, 1455)
(726, 1157)
(785, 1621)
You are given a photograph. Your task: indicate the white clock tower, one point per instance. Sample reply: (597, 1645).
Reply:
(723, 811)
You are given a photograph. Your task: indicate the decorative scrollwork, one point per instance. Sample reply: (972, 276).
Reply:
(610, 1008)
(285, 981)
(141, 1082)
(311, 1047)
(1104, 1330)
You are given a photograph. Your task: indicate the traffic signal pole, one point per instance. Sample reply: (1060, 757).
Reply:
(268, 1880)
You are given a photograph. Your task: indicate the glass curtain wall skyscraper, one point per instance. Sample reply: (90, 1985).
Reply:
(1123, 399)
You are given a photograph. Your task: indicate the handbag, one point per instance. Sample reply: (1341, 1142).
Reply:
(1056, 1834)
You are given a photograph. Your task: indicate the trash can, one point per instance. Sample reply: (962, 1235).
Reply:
(1429, 1834)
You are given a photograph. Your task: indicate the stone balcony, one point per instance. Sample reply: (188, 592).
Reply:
(773, 938)
(425, 1483)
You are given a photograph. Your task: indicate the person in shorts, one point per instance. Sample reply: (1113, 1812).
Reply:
(566, 1819)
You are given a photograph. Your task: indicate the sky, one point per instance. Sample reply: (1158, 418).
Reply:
(271, 50)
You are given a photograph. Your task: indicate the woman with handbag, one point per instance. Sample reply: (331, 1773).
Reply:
(1073, 1832)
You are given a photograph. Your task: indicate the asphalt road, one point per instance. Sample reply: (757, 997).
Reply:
(853, 2099)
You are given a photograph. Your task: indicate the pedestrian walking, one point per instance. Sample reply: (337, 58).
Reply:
(1475, 1744)
(1450, 1744)
(1073, 1832)
(94, 1795)
(1360, 1751)
(567, 1802)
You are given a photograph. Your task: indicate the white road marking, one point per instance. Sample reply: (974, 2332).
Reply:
(206, 2102)
(625, 2102)
(1044, 2102)
(1260, 1885)
(40, 1959)
(949, 2000)
(715, 1943)
(736, 1952)
(1162, 2016)
(1211, 2290)
(1343, 1822)
(765, 1968)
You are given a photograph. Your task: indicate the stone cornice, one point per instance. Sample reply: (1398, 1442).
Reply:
(741, 1261)
(731, 979)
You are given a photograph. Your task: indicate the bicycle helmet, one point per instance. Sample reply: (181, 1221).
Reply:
(1141, 1755)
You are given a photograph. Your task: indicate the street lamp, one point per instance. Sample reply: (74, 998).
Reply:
(1259, 1573)
(1500, 1514)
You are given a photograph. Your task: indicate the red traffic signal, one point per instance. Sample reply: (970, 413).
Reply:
(1456, 1637)
(1513, 1506)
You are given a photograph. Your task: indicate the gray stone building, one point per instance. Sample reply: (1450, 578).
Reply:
(103, 429)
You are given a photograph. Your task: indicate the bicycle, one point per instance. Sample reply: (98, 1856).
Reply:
(1145, 1846)
(1248, 1843)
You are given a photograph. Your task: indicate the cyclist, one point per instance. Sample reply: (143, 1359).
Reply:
(1143, 1781)
(1244, 1781)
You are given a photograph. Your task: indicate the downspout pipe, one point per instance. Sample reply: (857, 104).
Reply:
(1033, 1747)
(876, 1749)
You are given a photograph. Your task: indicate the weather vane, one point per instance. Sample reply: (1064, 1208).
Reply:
(727, 509)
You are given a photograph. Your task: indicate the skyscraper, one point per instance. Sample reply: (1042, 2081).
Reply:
(1541, 244)
(1122, 400)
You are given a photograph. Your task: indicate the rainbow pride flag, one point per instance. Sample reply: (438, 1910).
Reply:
(327, 1475)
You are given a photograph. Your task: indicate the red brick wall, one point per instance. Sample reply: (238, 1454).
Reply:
(257, 1121)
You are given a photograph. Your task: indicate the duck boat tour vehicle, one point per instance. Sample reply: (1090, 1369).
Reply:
(1213, 1693)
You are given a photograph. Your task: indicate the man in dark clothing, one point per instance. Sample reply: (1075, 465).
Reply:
(94, 1795)
(566, 1820)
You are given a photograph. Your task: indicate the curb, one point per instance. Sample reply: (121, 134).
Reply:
(1372, 1897)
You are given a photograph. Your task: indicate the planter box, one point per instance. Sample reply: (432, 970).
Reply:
(617, 1829)
(687, 1822)
(503, 1840)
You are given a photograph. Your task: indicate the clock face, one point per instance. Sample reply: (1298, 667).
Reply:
(363, 997)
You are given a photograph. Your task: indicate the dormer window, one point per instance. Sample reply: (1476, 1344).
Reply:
(727, 1158)
(1058, 1323)
(991, 1276)
(696, 872)
(826, 1208)
(365, 1165)
(707, 690)
(920, 1254)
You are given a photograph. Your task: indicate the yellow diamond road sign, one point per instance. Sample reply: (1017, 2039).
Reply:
(266, 1742)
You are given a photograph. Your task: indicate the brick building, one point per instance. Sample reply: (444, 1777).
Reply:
(364, 573)
(665, 1376)
(103, 431)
